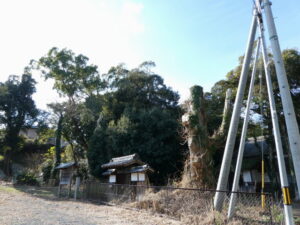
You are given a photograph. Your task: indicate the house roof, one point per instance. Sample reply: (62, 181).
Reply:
(29, 127)
(52, 141)
(123, 161)
(136, 169)
(143, 168)
(253, 149)
(109, 172)
(65, 165)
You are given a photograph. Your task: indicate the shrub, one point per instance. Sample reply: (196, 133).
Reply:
(27, 178)
(82, 170)
(47, 172)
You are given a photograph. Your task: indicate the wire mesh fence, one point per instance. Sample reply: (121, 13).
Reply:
(193, 206)
(67, 191)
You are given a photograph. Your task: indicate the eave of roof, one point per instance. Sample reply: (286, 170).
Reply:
(143, 168)
(136, 169)
(109, 172)
(65, 165)
(124, 158)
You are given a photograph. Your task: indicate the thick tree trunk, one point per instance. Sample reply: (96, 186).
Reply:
(11, 145)
(198, 171)
(7, 163)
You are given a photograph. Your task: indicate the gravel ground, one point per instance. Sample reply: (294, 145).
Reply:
(32, 206)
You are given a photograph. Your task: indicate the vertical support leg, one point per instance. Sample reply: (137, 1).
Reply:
(227, 157)
(288, 211)
(287, 104)
(243, 138)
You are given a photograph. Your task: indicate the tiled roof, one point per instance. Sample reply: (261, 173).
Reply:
(123, 161)
(253, 149)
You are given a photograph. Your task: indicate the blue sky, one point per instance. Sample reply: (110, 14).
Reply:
(200, 41)
(192, 41)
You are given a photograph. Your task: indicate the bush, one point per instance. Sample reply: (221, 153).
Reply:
(82, 170)
(28, 179)
(46, 172)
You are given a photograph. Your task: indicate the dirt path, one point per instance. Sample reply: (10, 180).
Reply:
(27, 208)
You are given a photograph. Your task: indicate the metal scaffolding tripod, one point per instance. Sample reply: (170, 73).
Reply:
(288, 109)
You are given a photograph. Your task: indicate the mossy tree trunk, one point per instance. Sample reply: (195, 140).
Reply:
(198, 171)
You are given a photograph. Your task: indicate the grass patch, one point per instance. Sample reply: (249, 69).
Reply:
(8, 189)
(40, 192)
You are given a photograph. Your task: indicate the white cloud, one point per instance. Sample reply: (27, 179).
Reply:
(103, 30)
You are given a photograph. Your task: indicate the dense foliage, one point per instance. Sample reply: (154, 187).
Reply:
(215, 101)
(122, 112)
(119, 113)
(27, 179)
(17, 109)
(140, 115)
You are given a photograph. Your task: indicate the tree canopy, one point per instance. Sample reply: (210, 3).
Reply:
(139, 115)
(17, 109)
(128, 111)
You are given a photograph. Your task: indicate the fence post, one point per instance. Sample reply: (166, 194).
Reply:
(77, 183)
(271, 206)
(59, 189)
(213, 207)
(87, 189)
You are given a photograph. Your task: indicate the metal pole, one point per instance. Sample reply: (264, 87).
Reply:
(227, 157)
(243, 138)
(287, 104)
(288, 211)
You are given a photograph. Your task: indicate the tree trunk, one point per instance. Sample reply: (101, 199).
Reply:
(11, 145)
(57, 160)
(226, 113)
(198, 169)
(7, 163)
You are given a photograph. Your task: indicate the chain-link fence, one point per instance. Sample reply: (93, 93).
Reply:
(193, 206)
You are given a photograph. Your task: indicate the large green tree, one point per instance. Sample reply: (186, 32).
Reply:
(17, 109)
(79, 82)
(141, 115)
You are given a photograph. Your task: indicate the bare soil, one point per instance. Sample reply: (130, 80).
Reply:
(39, 206)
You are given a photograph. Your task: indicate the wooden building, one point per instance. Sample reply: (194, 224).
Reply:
(66, 172)
(251, 168)
(127, 170)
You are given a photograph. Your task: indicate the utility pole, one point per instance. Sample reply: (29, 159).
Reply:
(286, 99)
(227, 157)
(243, 137)
(288, 211)
(288, 108)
